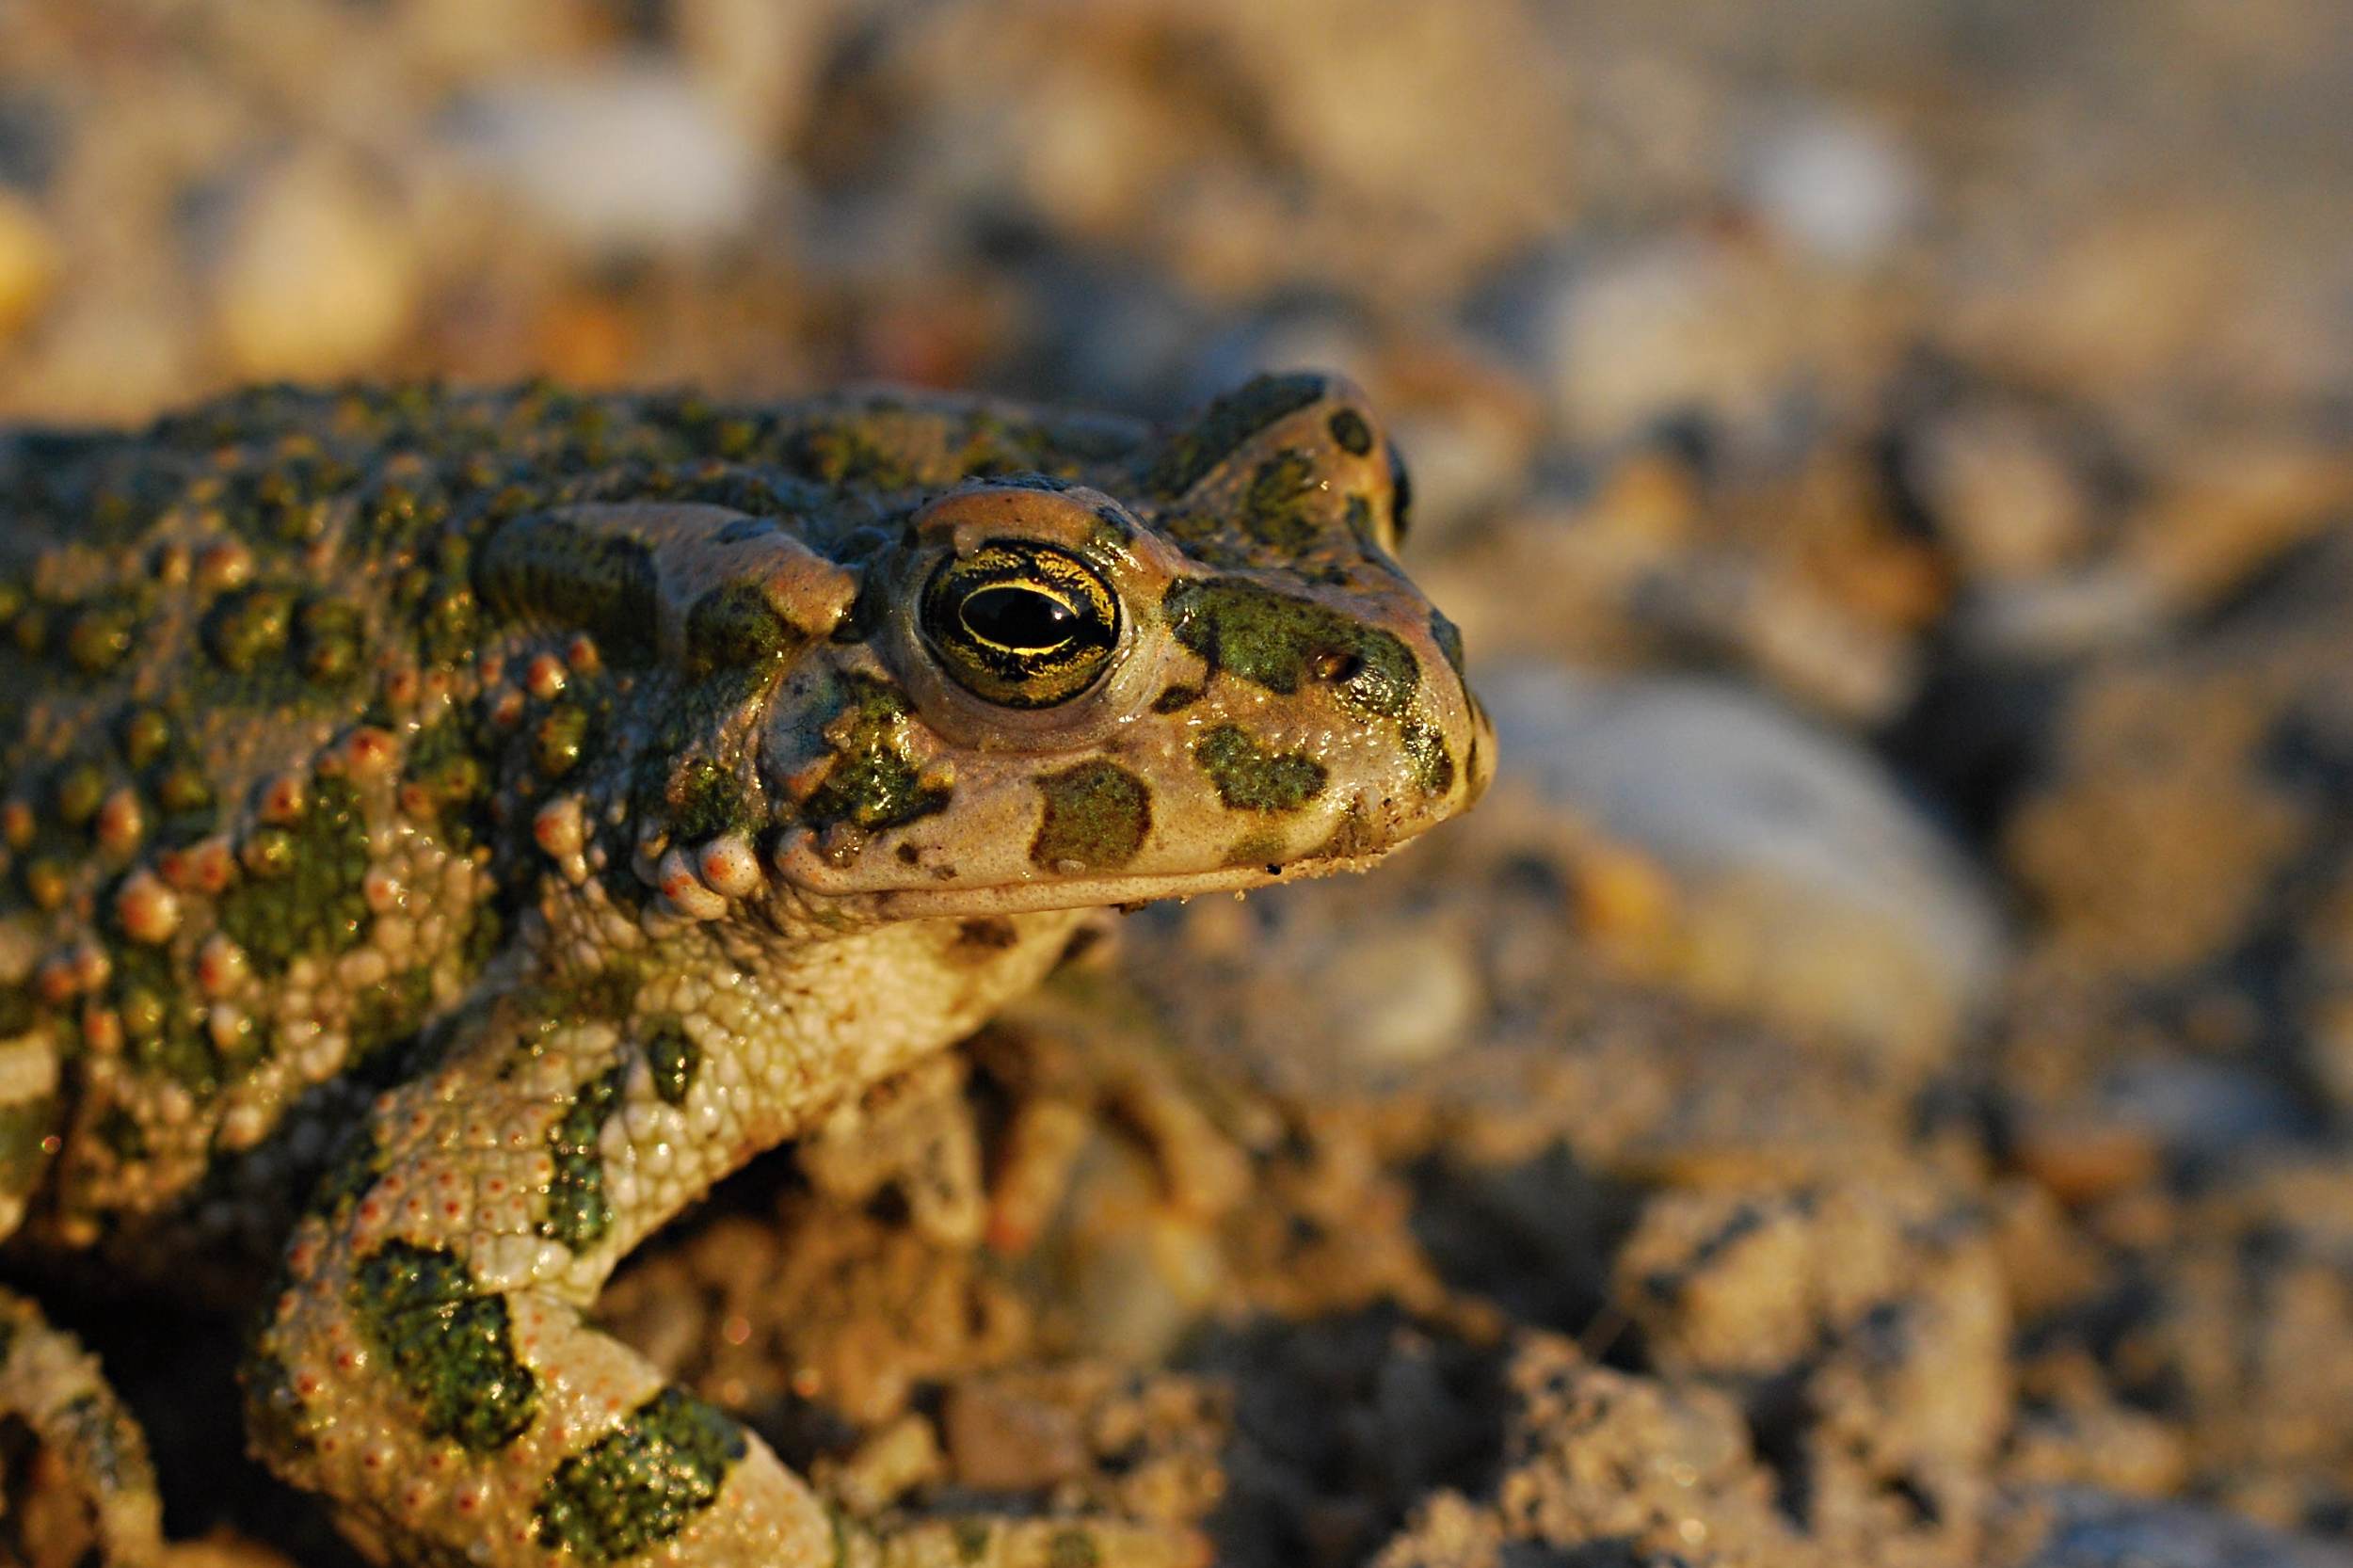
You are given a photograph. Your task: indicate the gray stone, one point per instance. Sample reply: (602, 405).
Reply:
(1840, 187)
(1810, 886)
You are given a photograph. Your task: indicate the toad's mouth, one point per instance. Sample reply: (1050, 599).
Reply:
(1066, 892)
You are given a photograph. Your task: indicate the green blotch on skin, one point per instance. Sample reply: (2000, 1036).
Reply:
(1224, 424)
(643, 1483)
(874, 782)
(1251, 778)
(1434, 764)
(1096, 815)
(1206, 539)
(1276, 641)
(735, 627)
(1349, 430)
(316, 906)
(549, 569)
(577, 1214)
(164, 1021)
(1277, 510)
(449, 1345)
(1176, 699)
(1449, 640)
(675, 1059)
(847, 452)
(705, 798)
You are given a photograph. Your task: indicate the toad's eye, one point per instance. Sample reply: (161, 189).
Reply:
(1022, 625)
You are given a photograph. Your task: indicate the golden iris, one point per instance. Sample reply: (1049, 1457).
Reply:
(1019, 624)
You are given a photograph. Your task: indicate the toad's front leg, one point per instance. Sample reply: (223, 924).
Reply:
(427, 1365)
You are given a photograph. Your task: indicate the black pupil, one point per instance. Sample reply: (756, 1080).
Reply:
(1020, 618)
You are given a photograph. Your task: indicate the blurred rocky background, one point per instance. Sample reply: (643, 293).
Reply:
(1872, 1085)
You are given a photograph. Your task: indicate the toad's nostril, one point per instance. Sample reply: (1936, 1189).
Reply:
(1336, 667)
